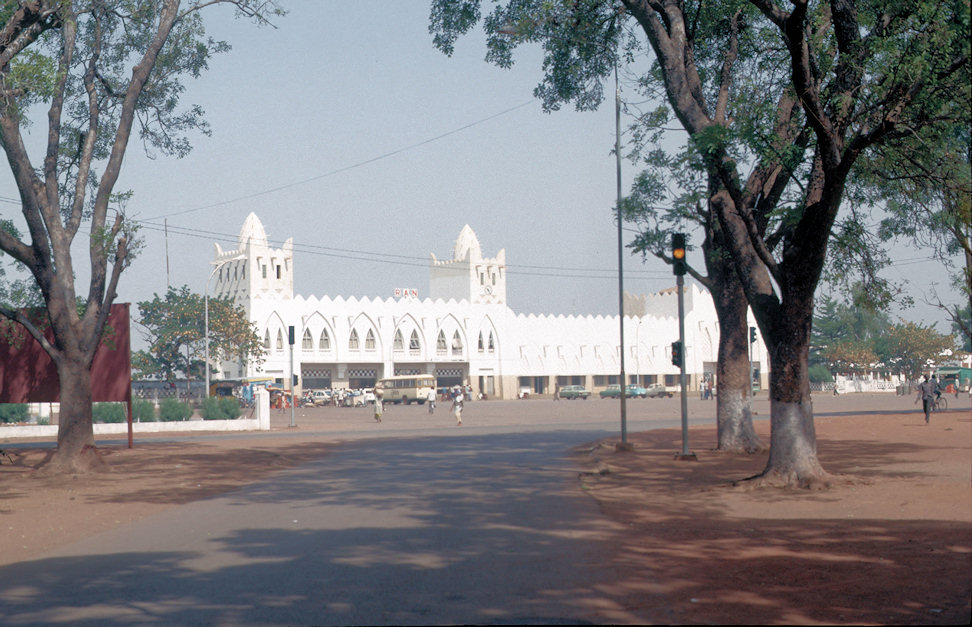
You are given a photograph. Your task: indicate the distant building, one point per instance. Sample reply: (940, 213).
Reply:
(463, 333)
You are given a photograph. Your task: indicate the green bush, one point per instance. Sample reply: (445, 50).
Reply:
(221, 408)
(108, 412)
(13, 412)
(173, 410)
(819, 374)
(143, 411)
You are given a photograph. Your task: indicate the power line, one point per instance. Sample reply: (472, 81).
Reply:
(407, 260)
(346, 168)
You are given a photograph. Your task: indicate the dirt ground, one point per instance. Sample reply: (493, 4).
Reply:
(889, 543)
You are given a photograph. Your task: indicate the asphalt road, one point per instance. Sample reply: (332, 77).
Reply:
(414, 521)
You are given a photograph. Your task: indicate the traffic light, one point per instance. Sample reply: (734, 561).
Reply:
(678, 253)
(752, 334)
(677, 354)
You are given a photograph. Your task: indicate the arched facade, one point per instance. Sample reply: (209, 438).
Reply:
(464, 334)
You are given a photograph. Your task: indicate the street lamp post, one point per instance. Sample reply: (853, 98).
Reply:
(218, 265)
(510, 29)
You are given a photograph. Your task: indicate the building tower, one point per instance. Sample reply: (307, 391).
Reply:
(468, 275)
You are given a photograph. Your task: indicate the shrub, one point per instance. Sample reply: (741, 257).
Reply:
(224, 408)
(819, 373)
(173, 410)
(143, 411)
(108, 412)
(13, 412)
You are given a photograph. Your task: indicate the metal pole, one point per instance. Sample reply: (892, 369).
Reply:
(293, 400)
(680, 283)
(617, 156)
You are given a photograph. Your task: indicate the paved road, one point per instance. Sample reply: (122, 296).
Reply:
(429, 530)
(414, 521)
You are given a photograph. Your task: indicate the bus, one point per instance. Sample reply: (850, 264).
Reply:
(407, 388)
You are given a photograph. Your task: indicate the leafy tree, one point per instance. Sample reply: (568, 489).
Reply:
(851, 356)
(836, 324)
(784, 107)
(102, 68)
(174, 326)
(913, 349)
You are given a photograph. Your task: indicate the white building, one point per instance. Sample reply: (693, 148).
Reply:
(464, 333)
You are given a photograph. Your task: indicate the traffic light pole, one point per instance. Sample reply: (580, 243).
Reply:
(680, 284)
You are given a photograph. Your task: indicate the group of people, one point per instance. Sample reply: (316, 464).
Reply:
(457, 402)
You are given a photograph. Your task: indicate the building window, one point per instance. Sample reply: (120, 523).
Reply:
(266, 340)
(264, 267)
(279, 340)
(353, 340)
(278, 271)
(399, 343)
(413, 343)
(370, 341)
(480, 344)
(325, 341)
(307, 343)
(491, 346)
(440, 344)
(456, 344)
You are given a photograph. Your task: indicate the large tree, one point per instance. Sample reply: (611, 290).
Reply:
(174, 327)
(102, 68)
(784, 105)
(583, 42)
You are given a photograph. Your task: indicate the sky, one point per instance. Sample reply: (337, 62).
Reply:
(345, 129)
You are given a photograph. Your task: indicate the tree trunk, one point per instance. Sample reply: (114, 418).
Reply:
(734, 407)
(793, 443)
(76, 450)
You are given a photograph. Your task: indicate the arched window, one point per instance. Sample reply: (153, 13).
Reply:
(413, 342)
(353, 343)
(325, 343)
(399, 343)
(279, 340)
(266, 340)
(370, 341)
(480, 345)
(440, 343)
(456, 343)
(491, 346)
(307, 343)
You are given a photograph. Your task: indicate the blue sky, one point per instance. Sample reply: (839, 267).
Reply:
(344, 128)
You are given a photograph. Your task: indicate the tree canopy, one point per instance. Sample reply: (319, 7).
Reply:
(102, 69)
(174, 326)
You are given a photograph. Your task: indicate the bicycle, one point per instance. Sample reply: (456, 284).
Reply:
(940, 404)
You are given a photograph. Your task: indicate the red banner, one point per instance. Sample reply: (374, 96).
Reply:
(27, 374)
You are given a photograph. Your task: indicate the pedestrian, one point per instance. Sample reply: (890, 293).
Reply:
(457, 408)
(926, 392)
(557, 391)
(378, 404)
(431, 400)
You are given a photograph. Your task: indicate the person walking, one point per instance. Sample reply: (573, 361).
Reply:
(457, 408)
(431, 400)
(379, 406)
(557, 390)
(926, 393)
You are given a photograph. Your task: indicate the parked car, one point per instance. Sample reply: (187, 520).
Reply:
(611, 391)
(631, 391)
(656, 390)
(321, 397)
(572, 392)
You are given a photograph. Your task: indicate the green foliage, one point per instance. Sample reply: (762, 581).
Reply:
(174, 410)
(820, 374)
(175, 329)
(221, 408)
(143, 411)
(13, 412)
(913, 348)
(109, 412)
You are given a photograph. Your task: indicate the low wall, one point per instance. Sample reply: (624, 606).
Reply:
(259, 422)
